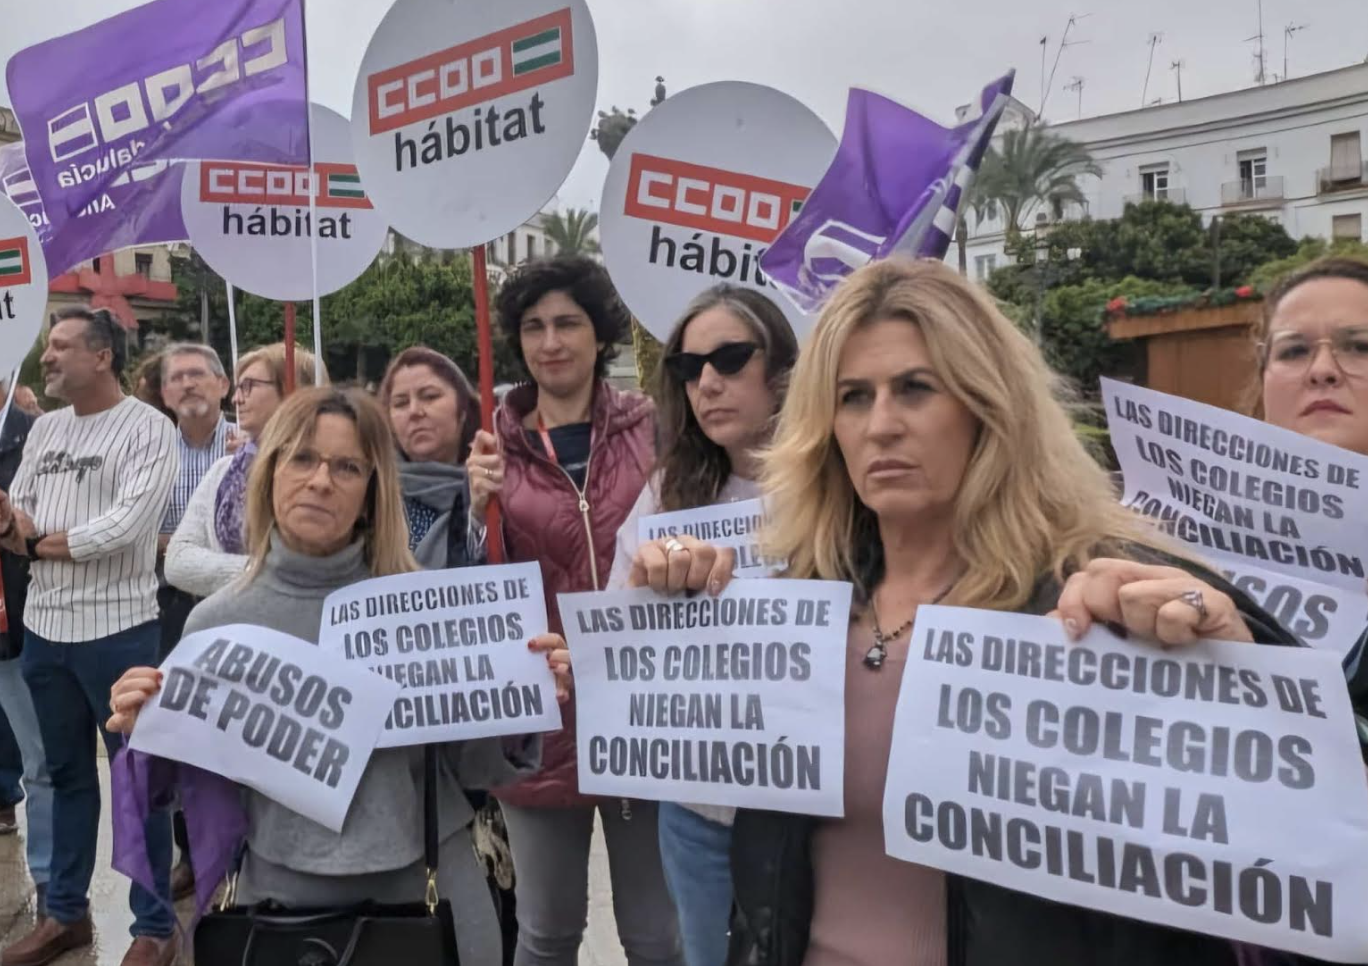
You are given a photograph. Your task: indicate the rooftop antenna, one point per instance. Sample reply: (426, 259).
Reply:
(1076, 84)
(1154, 40)
(1260, 55)
(1064, 41)
(1177, 67)
(1044, 39)
(1288, 31)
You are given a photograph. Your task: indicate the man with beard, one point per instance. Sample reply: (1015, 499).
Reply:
(193, 387)
(84, 508)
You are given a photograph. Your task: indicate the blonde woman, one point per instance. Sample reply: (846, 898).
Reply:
(921, 455)
(324, 510)
(208, 551)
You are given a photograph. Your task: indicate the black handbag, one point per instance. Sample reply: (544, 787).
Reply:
(365, 934)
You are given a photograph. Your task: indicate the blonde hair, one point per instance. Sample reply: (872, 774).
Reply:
(273, 357)
(383, 525)
(1032, 500)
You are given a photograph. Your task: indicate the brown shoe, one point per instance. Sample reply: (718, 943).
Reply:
(182, 881)
(150, 951)
(48, 940)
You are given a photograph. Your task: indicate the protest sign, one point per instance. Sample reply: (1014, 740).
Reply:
(468, 115)
(252, 222)
(1318, 614)
(1216, 788)
(895, 185)
(735, 525)
(23, 287)
(456, 642)
(165, 81)
(699, 189)
(737, 699)
(1244, 492)
(269, 711)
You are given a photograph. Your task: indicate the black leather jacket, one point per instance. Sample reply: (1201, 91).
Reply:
(986, 925)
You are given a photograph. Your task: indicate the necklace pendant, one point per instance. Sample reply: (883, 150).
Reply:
(874, 657)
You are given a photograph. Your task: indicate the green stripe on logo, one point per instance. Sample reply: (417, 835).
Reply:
(536, 40)
(348, 178)
(528, 66)
(346, 193)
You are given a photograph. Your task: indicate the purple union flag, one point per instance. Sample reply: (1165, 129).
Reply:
(106, 111)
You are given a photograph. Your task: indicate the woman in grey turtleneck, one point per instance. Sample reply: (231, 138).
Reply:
(324, 511)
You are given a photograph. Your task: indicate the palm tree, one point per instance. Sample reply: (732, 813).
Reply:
(1032, 166)
(572, 232)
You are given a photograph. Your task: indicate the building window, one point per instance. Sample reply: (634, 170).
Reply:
(1253, 173)
(1154, 182)
(142, 264)
(1347, 227)
(531, 246)
(95, 264)
(512, 248)
(491, 252)
(1346, 157)
(984, 265)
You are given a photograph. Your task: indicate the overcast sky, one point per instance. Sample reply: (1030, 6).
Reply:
(930, 55)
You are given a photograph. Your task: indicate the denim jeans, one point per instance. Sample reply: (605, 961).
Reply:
(11, 764)
(696, 853)
(17, 703)
(71, 685)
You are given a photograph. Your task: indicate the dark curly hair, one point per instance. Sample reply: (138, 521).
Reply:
(585, 281)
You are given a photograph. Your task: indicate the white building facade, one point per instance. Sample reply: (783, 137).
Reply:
(1292, 151)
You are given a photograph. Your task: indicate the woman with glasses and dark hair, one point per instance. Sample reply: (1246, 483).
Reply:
(722, 379)
(569, 457)
(208, 549)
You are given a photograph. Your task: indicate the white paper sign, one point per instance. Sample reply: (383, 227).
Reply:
(252, 223)
(1318, 614)
(271, 712)
(23, 287)
(467, 115)
(1216, 788)
(1243, 491)
(736, 525)
(700, 188)
(737, 699)
(456, 642)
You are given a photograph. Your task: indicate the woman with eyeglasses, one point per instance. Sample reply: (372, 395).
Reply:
(721, 382)
(324, 511)
(208, 549)
(921, 456)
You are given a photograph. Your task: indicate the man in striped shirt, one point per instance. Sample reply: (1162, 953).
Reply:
(85, 507)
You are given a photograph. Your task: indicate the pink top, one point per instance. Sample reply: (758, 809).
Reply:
(869, 909)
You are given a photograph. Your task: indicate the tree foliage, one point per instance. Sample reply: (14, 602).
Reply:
(572, 231)
(1267, 275)
(1032, 166)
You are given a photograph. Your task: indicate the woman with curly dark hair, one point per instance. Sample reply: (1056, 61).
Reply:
(568, 458)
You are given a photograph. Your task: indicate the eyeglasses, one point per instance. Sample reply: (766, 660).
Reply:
(246, 384)
(342, 470)
(1290, 353)
(727, 359)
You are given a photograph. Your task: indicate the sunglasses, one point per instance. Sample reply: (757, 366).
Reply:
(727, 359)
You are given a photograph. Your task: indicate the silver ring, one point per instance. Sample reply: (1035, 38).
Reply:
(673, 546)
(489, 474)
(1193, 598)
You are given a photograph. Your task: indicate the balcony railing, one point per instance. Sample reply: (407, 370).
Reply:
(1342, 178)
(1177, 196)
(1248, 190)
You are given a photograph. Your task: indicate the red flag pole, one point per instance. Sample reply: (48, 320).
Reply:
(494, 541)
(289, 347)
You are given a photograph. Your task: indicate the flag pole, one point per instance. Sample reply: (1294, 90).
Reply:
(485, 339)
(313, 202)
(232, 344)
(289, 347)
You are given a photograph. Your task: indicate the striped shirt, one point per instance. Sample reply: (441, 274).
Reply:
(194, 463)
(103, 480)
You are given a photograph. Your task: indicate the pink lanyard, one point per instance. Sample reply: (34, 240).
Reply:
(546, 440)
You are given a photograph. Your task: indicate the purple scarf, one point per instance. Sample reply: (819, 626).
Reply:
(230, 506)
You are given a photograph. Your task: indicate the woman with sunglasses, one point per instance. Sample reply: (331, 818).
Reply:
(208, 549)
(722, 379)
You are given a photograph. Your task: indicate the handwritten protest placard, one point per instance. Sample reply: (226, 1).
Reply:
(456, 642)
(730, 700)
(269, 711)
(1245, 492)
(735, 525)
(1216, 788)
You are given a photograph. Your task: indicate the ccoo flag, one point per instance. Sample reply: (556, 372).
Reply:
(167, 81)
(895, 185)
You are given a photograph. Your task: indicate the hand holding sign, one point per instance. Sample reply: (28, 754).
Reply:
(558, 660)
(133, 690)
(1164, 604)
(671, 565)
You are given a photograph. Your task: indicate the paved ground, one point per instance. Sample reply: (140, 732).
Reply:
(109, 906)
